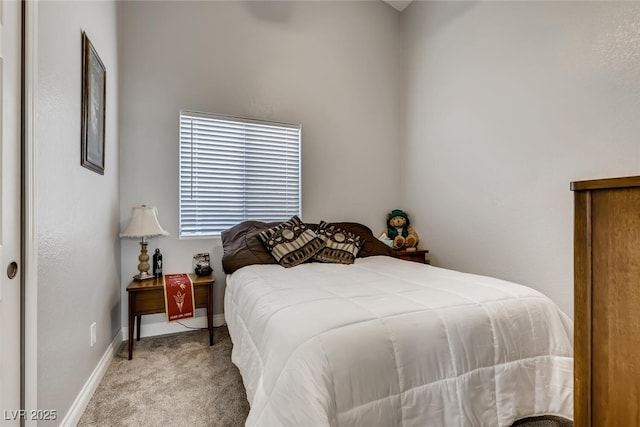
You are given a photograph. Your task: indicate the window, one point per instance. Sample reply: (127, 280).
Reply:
(234, 169)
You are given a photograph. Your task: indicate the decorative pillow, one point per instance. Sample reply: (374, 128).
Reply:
(341, 245)
(372, 246)
(291, 243)
(242, 246)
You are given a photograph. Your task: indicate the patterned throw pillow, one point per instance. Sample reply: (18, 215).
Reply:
(341, 246)
(291, 243)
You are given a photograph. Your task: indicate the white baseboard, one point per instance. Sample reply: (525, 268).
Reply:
(82, 400)
(219, 320)
(164, 327)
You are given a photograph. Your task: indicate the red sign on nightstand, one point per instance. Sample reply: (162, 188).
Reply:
(178, 297)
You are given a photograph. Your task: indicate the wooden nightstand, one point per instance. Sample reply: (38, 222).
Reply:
(147, 297)
(419, 255)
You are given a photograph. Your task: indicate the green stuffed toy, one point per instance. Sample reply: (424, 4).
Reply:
(400, 234)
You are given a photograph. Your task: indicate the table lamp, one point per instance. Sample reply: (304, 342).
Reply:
(144, 223)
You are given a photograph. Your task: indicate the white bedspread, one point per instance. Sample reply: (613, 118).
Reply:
(385, 342)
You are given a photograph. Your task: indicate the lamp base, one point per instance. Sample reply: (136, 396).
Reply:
(143, 276)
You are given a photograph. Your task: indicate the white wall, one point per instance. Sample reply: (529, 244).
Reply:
(77, 209)
(505, 103)
(331, 66)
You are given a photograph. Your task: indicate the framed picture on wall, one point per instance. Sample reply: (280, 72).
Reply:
(94, 93)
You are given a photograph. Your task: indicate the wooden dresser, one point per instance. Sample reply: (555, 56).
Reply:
(607, 302)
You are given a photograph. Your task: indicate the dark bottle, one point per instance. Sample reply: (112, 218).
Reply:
(157, 263)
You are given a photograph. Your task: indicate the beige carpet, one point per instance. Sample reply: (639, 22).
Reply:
(172, 380)
(178, 380)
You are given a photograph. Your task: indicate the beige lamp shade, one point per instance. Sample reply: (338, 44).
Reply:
(144, 223)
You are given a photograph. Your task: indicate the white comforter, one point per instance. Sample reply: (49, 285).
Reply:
(385, 342)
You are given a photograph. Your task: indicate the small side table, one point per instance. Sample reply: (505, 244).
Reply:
(419, 255)
(147, 297)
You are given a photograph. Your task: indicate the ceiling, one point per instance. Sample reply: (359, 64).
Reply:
(399, 5)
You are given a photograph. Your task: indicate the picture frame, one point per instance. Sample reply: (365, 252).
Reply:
(94, 94)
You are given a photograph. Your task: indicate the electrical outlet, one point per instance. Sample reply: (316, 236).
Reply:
(93, 334)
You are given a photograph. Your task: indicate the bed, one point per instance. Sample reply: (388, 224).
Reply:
(387, 342)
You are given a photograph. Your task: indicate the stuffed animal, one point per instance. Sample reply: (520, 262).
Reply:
(400, 234)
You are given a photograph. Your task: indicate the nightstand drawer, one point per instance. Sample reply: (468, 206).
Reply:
(153, 302)
(419, 255)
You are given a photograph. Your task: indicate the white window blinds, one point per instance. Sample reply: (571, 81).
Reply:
(234, 169)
